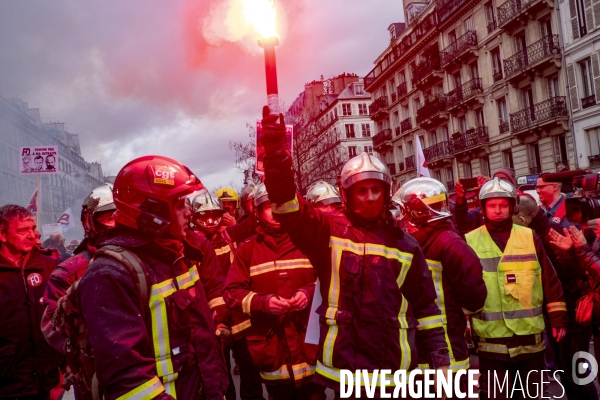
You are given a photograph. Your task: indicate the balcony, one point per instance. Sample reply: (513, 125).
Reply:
(536, 56)
(397, 131)
(540, 115)
(514, 13)
(504, 127)
(378, 109)
(401, 90)
(471, 139)
(464, 93)
(392, 168)
(406, 125)
(409, 162)
(445, 8)
(594, 160)
(382, 141)
(589, 101)
(440, 151)
(401, 166)
(428, 72)
(432, 112)
(459, 48)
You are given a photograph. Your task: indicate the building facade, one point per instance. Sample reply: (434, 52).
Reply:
(479, 83)
(579, 21)
(21, 126)
(332, 126)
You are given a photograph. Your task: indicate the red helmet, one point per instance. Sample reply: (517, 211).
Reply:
(146, 190)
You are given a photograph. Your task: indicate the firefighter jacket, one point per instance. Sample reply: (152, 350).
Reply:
(375, 286)
(145, 350)
(458, 280)
(588, 257)
(28, 364)
(212, 275)
(268, 265)
(60, 281)
(520, 280)
(244, 229)
(224, 249)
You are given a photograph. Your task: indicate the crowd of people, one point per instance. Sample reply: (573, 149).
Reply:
(171, 282)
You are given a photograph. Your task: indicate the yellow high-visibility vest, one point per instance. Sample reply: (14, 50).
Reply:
(514, 284)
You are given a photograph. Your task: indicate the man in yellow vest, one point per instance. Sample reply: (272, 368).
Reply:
(520, 280)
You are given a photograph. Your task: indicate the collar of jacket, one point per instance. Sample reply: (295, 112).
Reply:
(34, 260)
(276, 240)
(427, 234)
(499, 226)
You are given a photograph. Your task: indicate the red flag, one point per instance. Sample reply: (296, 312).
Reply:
(32, 206)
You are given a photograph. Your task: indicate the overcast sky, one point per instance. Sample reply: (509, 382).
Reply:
(176, 78)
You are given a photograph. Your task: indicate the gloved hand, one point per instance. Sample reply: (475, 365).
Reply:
(273, 134)
(224, 334)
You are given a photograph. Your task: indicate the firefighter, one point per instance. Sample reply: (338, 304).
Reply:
(230, 201)
(324, 197)
(166, 348)
(207, 218)
(375, 285)
(96, 216)
(273, 282)
(520, 280)
(454, 266)
(247, 224)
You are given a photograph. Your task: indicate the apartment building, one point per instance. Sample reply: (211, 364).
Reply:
(579, 21)
(479, 83)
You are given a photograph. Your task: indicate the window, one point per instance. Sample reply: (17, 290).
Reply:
(436, 174)
(469, 24)
(405, 112)
(594, 141)
(560, 150)
(362, 109)
(467, 172)
(580, 18)
(496, 64)
(396, 119)
(449, 175)
(352, 151)
(479, 120)
(411, 147)
(366, 130)
(368, 149)
(546, 27)
(346, 109)
(489, 17)
(457, 80)
(359, 89)
(502, 113)
(400, 156)
(401, 77)
(451, 36)
(416, 104)
(432, 138)
(473, 70)
(521, 44)
(507, 159)
(587, 80)
(412, 70)
(535, 163)
(484, 164)
(350, 131)
(443, 133)
(462, 124)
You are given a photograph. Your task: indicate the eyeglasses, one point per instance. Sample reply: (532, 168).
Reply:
(543, 186)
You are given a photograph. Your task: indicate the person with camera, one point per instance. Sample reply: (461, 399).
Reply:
(520, 281)
(468, 220)
(573, 281)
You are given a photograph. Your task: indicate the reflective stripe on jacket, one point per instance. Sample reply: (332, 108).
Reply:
(514, 283)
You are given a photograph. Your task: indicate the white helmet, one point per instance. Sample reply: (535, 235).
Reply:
(498, 189)
(363, 167)
(322, 194)
(424, 200)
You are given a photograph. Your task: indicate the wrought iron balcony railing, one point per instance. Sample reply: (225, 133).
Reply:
(497, 75)
(409, 162)
(445, 8)
(536, 52)
(471, 138)
(464, 92)
(594, 160)
(458, 47)
(512, 9)
(406, 125)
(378, 105)
(438, 150)
(401, 89)
(504, 127)
(426, 68)
(430, 109)
(554, 107)
(589, 101)
(401, 166)
(382, 137)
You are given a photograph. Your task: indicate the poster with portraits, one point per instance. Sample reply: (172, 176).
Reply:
(38, 160)
(260, 151)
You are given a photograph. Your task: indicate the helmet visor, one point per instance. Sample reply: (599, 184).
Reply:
(208, 218)
(189, 198)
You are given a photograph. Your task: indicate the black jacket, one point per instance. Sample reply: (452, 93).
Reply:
(121, 330)
(28, 365)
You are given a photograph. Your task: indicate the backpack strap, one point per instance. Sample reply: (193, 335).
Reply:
(134, 265)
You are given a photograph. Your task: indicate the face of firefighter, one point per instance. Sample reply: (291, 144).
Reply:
(265, 214)
(367, 198)
(182, 215)
(229, 207)
(497, 209)
(19, 236)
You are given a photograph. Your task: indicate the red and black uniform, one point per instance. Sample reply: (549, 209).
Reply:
(375, 285)
(213, 272)
(29, 366)
(458, 278)
(166, 347)
(267, 265)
